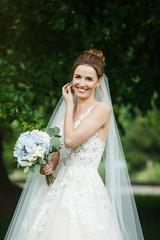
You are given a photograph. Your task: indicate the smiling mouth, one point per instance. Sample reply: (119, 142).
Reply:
(81, 90)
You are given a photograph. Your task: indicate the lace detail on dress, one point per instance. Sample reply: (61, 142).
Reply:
(82, 203)
(83, 193)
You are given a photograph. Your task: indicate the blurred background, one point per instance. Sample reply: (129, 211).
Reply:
(39, 41)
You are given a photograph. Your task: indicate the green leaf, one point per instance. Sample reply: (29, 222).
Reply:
(52, 149)
(8, 105)
(32, 168)
(40, 161)
(9, 51)
(26, 169)
(37, 168)
(22, 65)
(50, 131)
(136, 79)
(53, 131)
(55, 142)
(43, 162)
(56, 130)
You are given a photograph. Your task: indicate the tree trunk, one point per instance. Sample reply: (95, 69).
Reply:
(4, 181)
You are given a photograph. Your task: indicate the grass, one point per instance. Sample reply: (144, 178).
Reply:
(148, 209)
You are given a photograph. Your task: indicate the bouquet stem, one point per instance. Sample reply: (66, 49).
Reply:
(49, 179)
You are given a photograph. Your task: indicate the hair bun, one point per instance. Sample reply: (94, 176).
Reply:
(97, 53)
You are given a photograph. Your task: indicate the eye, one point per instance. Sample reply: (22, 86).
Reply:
(88, 78)
(77, 76)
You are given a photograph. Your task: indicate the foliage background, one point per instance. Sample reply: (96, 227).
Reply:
(39, 41)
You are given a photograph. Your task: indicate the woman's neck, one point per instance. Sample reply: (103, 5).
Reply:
(83, 104)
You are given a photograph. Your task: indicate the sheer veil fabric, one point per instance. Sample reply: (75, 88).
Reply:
(117, 180)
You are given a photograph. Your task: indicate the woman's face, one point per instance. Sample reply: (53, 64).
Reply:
(85, 81)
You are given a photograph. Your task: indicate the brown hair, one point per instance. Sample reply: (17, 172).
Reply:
(93, 58)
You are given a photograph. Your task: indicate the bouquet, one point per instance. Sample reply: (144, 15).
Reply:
(33, 149)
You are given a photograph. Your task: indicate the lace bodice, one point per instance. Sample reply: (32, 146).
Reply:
(88, 154)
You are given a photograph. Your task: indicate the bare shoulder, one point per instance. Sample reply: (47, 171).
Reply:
(103, 111)
(105, 107)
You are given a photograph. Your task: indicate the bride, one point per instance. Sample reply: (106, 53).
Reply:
(78, 206)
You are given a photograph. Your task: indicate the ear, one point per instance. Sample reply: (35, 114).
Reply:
(99, 81)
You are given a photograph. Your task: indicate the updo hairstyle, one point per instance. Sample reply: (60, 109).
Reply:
(93, 58)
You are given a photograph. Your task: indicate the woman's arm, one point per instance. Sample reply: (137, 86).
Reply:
(51, 165)
(98, 117)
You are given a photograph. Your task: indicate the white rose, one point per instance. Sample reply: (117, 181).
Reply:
(39, 151)
(30, 157)
(24, 163)
(34, 157)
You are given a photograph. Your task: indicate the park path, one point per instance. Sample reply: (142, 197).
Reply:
(138, 189)
(146, 189)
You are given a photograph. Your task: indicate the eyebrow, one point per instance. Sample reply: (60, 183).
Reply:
(80, 75)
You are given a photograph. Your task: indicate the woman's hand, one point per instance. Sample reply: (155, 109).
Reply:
(67, 94)
(47, 168)
(51, 164)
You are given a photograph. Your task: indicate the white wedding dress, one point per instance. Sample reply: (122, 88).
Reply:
(76, 206)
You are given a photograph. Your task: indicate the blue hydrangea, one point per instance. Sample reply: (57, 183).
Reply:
(25, 143)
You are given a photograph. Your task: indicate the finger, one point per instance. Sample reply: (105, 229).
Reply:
(46, 168)
(65, 86)
(69, 90)
(64, 91)
(47, 172)
(46, 164)
(68, 87)
(41, 172)
(43, 167)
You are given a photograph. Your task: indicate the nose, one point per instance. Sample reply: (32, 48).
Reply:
(82, 82)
